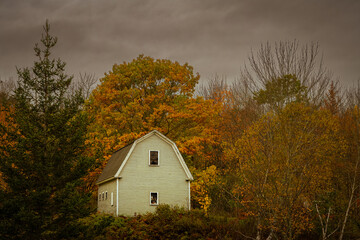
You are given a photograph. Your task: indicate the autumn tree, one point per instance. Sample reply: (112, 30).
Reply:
(144, 94)
(43, 165)
(285, 163)
(333, 98)
(347, 173)
(238, 112)
(340, 210)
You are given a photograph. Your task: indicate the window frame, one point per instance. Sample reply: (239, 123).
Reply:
(158, 158)
(157, 199)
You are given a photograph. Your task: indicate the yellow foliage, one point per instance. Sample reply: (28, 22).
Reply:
(200, 188)
(284, 161)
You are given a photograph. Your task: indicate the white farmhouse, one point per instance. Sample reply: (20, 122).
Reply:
(142, 175)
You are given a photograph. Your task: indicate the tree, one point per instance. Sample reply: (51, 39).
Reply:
(6, 88)
(284, 58)
(85, 84)
(281, 91)
(43, 166)
(349, 175)
(145, 94)
(333, 99)
(285, 163)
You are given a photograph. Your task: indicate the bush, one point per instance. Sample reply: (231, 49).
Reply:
(166, 223)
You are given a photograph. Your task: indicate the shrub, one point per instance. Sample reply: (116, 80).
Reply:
(166, 223)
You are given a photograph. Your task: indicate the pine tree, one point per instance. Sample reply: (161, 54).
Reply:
(45, 162)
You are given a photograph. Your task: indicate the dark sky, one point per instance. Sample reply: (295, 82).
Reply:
(214, 36)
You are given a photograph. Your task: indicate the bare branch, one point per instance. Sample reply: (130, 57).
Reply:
(285, 58)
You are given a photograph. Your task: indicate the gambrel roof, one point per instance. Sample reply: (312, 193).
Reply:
(118, 160)
(114, 163)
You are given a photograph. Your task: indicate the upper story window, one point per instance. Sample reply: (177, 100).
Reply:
(154, 158)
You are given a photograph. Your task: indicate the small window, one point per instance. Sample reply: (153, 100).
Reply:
(99, 196)
(105, 195)
(154, 158)
(154, 198)
(112, 199)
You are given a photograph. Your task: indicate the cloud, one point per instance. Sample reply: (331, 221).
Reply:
(214, 36)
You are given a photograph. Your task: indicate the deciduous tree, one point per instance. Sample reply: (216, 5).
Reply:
(145, 94)
(282, 58)
(285, 164)
(280, 91)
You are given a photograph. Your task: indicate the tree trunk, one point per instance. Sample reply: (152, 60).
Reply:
(353, 188)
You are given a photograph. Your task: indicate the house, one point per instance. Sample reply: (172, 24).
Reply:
(142, 175)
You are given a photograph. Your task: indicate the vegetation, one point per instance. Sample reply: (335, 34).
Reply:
(165, 223)
(42, 152)
(275, 155)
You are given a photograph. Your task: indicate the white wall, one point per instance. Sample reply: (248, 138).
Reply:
(138, 179)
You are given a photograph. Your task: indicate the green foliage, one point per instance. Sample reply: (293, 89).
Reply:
(43, 166)
(280, 91)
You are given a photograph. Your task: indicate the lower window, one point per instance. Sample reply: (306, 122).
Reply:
(154, 198)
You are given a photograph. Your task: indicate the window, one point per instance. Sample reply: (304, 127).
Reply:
(112, 199)
(154, 158)
(154, 198)
(105, 195)
(99, 196)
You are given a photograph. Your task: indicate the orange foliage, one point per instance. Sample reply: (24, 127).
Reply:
(145, 94)
(7, 123)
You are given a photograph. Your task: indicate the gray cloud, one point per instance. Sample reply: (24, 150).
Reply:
(212, 35)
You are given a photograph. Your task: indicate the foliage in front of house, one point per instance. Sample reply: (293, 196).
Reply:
(165, 223)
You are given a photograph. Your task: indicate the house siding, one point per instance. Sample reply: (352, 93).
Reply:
(138, 179)
(105, 205)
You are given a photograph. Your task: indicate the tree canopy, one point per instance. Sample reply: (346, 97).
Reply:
(147, 94)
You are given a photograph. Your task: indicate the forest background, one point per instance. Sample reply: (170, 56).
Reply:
(275, 154)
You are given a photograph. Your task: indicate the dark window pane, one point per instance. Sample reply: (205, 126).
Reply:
(154, 158)
(154, 198)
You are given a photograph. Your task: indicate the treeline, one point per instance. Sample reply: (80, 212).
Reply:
(275, 153)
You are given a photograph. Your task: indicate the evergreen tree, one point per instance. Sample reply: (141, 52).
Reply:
(44, 161)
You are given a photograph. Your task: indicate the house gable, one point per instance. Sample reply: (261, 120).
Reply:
(136, 185)
(163, 138)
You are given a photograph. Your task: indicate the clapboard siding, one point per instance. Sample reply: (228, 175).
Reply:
(133, 179)
(138, 179)
(105, 205)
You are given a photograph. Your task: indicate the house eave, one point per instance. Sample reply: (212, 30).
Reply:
(106, 180)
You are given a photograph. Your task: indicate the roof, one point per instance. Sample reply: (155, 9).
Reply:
(118, 160)
(114, 163)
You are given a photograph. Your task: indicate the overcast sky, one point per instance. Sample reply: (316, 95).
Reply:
(214, 36)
